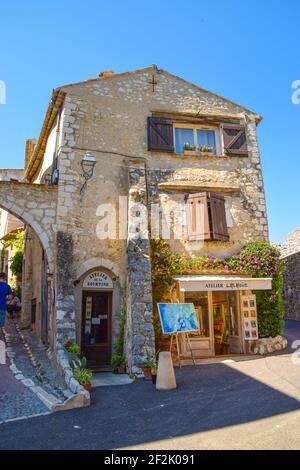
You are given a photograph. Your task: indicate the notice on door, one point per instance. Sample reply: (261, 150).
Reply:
(249, 316)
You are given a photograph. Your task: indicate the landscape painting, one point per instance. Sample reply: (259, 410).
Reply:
(177, 318)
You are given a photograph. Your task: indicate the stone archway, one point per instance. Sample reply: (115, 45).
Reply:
(35, 205)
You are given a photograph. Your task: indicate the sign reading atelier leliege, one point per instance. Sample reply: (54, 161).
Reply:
(98, 280)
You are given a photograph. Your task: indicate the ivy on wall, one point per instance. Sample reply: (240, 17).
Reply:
(256, 259)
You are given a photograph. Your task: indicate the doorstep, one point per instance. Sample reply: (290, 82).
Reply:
(103, 379)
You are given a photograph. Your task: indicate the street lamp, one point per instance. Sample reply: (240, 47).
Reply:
(87, 164)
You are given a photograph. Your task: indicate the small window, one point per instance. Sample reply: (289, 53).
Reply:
(199, 138)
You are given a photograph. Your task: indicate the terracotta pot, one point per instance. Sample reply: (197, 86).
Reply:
(189, 152)
(147, 373)
(121, 369)
(206, 154)
(87, 387)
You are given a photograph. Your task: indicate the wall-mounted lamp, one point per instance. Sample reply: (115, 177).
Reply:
(87, 164)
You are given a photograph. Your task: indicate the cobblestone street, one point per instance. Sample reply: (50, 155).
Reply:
(28, 371)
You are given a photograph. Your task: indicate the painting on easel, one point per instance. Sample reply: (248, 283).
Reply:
(177, 318)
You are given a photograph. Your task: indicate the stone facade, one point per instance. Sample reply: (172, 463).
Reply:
(108, 117)
(291, 279)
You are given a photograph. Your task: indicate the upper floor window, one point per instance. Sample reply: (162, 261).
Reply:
(206, 217)
(197, 138)
(167, 135)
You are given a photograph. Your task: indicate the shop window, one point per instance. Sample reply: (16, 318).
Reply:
(200, 301)
(206, 217)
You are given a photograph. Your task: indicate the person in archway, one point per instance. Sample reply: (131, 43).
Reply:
(5, 294)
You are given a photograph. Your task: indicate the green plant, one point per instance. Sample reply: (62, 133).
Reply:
(71, 346)
(149, 361)
(83, 376)
(15, 240)
(187, 146)
(16, 265)
(118, 355)
(117, 361)
(79, 363)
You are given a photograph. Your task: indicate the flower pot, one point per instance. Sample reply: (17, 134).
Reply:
(121, 369)
(189, 152)
(147, 373)
(206, 154)
(87, 387)
(153, 376)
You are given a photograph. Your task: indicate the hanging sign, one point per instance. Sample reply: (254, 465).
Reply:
(98, 280)
(249, 316)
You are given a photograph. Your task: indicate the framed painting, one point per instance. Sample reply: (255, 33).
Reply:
(178, 318)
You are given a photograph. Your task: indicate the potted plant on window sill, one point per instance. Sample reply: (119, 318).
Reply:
(189, 149)
(84, 377)
(205, 150)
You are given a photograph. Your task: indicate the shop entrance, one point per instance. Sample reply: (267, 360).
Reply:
(218, 314)
(226, 323)
(96, 328)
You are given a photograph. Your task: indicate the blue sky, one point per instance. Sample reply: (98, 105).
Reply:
(247, 51)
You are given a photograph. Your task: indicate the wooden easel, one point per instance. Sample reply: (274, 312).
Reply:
(187, 339)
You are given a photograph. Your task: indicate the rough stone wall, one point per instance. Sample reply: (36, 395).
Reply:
(140, 338)
(35, 205)
(291, 287)
(291, 243)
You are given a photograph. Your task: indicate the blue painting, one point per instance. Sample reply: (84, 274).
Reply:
(177, 318)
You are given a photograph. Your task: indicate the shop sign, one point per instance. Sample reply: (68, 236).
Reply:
(98, 280)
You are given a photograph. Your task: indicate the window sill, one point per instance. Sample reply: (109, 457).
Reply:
(194, 157)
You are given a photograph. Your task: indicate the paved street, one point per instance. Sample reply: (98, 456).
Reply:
(248, 404)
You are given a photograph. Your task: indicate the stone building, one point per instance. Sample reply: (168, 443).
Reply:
(116, 145)
(290, 251)
(9, 224)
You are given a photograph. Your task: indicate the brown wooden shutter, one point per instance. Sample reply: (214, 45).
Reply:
(160, 134)
(197, 217)
(235, 142)
(218, 217)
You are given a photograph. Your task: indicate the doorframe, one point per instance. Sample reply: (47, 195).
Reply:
(111, 297)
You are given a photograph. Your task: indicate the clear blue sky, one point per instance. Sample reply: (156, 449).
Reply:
(247, 51)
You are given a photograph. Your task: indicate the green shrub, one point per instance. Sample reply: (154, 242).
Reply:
(17, 263)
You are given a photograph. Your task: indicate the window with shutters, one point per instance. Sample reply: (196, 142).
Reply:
(206, 217)
(167, 135)
(197, 136)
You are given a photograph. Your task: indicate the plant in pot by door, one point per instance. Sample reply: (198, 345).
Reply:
(84, 377)
(118, 364)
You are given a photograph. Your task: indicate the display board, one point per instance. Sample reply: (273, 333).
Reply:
(249, 316)
(177, 318)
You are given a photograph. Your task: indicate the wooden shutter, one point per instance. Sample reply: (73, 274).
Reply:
(197, 217)
(235, 142)
(160, 134)
(218, 217)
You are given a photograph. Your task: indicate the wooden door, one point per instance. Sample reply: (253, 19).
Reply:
(96, 327)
